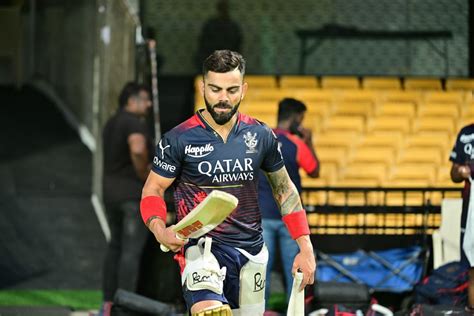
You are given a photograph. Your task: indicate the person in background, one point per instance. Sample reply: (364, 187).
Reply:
(128, 150)
(462, 157)
(296, 147)
(219, 32)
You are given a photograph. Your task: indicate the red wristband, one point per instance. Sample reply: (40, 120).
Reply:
(151, 206)
(297, 224)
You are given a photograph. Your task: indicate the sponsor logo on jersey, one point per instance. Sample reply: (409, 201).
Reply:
(160, 145)
(198, 151)
(468, 150)
(466, 138)
(227, 170)
(163, 165)
(251, 142)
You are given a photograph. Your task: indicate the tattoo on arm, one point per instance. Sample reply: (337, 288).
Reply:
(284, 191)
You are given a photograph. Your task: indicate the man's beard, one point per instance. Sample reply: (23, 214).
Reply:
(221, 118)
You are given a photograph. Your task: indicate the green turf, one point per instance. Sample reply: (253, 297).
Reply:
(277, 302)
(74, 299)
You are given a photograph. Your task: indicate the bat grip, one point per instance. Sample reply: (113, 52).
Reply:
(166, 249)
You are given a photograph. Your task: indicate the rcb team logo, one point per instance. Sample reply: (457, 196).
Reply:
(251, 142)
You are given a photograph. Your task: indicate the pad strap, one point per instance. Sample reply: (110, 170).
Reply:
(152, 206)
(297, 224)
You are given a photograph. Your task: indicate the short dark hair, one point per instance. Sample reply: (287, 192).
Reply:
(130, 89)
(223, 61)
(288, 107)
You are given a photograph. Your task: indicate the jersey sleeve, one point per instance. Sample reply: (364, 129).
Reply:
(167, 159)
(305, 158)
(457, 153)
(273, 159)
(134, 126)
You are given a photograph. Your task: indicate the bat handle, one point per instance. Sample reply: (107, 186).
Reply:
(166, 249)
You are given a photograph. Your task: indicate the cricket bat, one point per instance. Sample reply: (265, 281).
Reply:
(212, 211)
(296, 304)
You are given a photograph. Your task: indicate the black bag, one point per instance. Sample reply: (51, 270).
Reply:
(447, 285)
(348, 296)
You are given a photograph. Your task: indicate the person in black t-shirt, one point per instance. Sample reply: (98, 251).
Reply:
(462, 157)
(128, 151)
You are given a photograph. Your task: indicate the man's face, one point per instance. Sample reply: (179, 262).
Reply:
(223, 93)
(142, 102)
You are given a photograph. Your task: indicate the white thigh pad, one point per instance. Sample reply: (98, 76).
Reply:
(252, 283)
(202, 270)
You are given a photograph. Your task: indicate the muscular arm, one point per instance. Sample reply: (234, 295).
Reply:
(156, 185)
(287, 196)
(139, 154)
(284, 191)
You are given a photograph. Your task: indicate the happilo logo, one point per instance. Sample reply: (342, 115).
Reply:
(251, 142)
(198, 151)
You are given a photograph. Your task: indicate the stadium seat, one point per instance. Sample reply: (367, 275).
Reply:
(256, 81)
(381, 83)
(456, 97)
(459, 84)
(413, 175)
(376, 154)
(298, 82)
(443, 178)
(422, 84)
(336, 139)
(314, 95)
(357, 96)
(402, 96)
(331, 82)
(344, 123)
(258, 107)
(383, 139)
(353, 108)
(354, 197)
(426, 155)
(267, 94)
(439, 109)
(433, 139)
(366, 171)
(389, 123)
(434, 124)
(331, 155)
(403, 109)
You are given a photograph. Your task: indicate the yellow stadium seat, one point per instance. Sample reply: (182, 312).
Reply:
(426, 155)
(298, 82)
(418, 173)
(354, 197)
(459, 84)
(366, 171)
(383, 139)
(256, 107)
(267, 94)
(314, 95)
(456, 97)
(439, 109)
(358, 96)
(422, 84)
(344, 123)
(256, 81)
(353, 108)
(376, 154)
(434, 124)
(331, 82)
(345, 139)
(322, 108)
(402, 96)
(389, 123)
(381, 83)
(433, 139)
(331, 155)
(404, 109)
(464, 121)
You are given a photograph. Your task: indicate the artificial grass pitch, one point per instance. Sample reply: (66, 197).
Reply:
(75, 299)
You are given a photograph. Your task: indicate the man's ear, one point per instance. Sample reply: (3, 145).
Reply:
(244, 90)
(201, 86)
